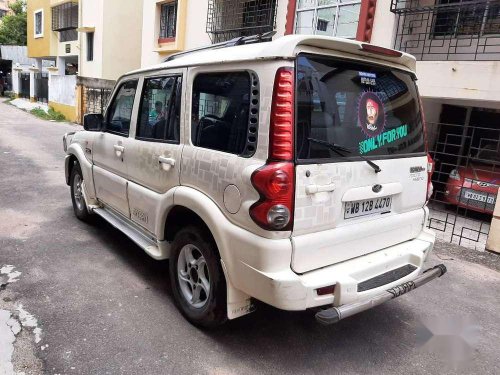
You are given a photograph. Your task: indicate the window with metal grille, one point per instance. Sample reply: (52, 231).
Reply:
(2, 13)
(68, 35)
(459, 17)
(168, 18)
(65, 16)
(90, 46)
(228, 19)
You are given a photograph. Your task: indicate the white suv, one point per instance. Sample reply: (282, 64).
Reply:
(293, 172)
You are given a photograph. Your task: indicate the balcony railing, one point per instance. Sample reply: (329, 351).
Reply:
(228, 19)
(448, 29)
(65, 16)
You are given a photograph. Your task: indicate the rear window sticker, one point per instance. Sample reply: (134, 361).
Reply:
(380, 140)
(368, 78)
(371, 114)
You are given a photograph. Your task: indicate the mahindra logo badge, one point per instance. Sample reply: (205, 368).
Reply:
(376, 188)
(417, 169)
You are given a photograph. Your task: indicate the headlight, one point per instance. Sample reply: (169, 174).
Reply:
(454, 175)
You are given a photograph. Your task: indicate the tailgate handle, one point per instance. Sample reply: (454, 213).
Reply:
(313, 189)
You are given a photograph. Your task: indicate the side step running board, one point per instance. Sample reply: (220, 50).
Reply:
(334, 314)
(155, 249)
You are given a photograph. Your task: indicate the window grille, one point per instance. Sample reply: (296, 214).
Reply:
(68, 35)
(168, 20)
(228, 19)
(448, 29)
(65, 16)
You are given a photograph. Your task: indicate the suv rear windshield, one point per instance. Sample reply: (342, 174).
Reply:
(370, 110)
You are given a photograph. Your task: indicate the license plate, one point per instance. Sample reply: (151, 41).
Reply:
(479, 197)
(367, 207)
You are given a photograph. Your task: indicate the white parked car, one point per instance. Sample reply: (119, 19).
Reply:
(293, 172)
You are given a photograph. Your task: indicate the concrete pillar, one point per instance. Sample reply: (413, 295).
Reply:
(493, 242)
(53, 71)
(16, 71)
(33, 71)
(61, 66)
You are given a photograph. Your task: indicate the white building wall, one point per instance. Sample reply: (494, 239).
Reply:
(384, 26)
(195, 28)
(477, 81)
(122, 37)
(196, 35)
(62, 89)
(91, 17)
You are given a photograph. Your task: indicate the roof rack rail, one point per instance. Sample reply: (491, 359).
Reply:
(258, 38)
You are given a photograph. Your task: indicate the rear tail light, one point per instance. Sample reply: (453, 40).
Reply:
(430, 171)
(275, 181)
(275, 184)
(281, 126)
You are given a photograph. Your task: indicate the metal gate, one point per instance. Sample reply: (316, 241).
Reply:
(95, 99)
(466, 180)
(42, 87)
(24, 85)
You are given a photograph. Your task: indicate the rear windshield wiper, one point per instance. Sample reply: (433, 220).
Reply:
(338, 149)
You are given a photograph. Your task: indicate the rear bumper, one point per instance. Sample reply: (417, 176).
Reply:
(290, 291)
(334, 314)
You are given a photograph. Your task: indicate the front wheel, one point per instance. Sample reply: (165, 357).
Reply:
(77, 197)
(197, 278)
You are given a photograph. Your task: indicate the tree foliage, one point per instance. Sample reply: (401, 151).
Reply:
(13, 26)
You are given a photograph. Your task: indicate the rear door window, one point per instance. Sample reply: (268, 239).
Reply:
(369, 110)
(224, 112)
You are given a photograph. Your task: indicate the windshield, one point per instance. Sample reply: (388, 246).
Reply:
(371, 110)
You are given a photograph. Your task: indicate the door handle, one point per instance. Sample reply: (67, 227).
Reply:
(313, 189)
(166, 163)
(119, 150)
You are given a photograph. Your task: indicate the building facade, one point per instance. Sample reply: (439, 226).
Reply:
(110, 45)
(4, 7)
(52, 40)
(177, 25)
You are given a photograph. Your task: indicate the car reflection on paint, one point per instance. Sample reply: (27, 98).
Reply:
(475, 186)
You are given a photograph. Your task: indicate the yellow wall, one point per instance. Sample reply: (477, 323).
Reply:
(40, 47)
(68, 111)
(48, 45)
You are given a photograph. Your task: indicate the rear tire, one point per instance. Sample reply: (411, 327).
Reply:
(197, 278)
(77, 197)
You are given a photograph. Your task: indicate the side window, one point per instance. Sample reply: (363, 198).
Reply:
(225, 112)
(120, 110)
(160, 109)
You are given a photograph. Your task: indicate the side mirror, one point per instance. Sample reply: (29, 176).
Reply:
(93, 122)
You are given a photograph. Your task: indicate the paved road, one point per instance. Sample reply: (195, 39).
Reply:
(104, 307)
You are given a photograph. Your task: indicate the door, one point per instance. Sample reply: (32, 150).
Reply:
(344, 207)
(154, 153)
(110, 149)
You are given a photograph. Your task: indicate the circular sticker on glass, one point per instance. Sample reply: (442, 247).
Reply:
(371, 114)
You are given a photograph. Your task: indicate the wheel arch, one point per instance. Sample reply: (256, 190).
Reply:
(76, 154)
(70, 161)
(196, 206)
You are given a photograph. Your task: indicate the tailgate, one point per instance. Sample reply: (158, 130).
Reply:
(348, 112)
